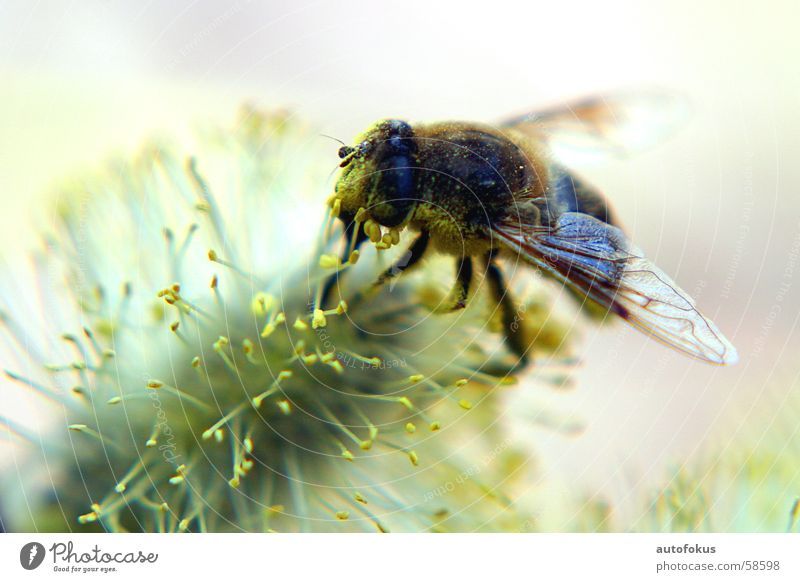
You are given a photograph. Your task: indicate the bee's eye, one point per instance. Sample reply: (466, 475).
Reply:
(345, 151)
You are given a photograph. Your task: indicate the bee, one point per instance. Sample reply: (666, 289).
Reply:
(481, 192)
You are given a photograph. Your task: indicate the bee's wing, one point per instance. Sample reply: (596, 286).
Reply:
(598, 260)
(614, 125)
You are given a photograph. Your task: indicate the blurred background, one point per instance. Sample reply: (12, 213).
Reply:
(717, 206)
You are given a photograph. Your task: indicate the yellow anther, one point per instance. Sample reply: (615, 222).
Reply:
(219, 435)
(87, 518)
(328, 357)
(285, 375)
(329, 262)
(361, 215)
(347, 455)
(214, 282)
(342, 307)
(310, 359)
(353, 258)
(262, 303)
(77, 427)
(154, 384)
(416, 378)
(212, 255)
(465, 404)
(360, 498)
(461, 382)
(247, 346)
(234, 482)
(412, 456)
(336, 209)
(373, 230)
(196, 362)
(114, 400)
(337, 367)
(280, 318)
(176, 480)
(151, 443)
(174, 325)
(411, 428)
(183, 524)
(435, 426)
(342, 515)
(406, 402)
(365, 445)
(268, 329)
(285, 407)
(248, 444)
(300, 325)
(221, 343)
(395, 235)
(319, 319)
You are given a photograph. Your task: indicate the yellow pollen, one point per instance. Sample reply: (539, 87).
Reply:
(411, 428)
(329, 262)
(318, 319)
(284, 406)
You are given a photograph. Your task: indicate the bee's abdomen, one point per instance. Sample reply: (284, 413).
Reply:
(569, 193)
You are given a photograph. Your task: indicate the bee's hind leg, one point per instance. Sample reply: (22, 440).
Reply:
(460, 293)
(512, 321)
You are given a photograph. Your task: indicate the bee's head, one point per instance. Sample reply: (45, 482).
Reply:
(378, 174)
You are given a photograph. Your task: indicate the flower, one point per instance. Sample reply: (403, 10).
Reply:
(203, 386)
(748, 483)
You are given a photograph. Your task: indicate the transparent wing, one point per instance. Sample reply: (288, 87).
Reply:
(599, 127)
(599, 261)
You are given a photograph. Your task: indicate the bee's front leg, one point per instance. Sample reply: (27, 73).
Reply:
(350, 246)
(407, 260)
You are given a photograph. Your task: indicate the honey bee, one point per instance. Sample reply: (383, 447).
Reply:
(480, 192)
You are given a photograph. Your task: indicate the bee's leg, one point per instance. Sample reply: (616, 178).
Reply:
(350, 246)
(407, 260)
(512, 321)
(460, 292)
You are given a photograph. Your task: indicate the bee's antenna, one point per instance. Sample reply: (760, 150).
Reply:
(333, 138)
